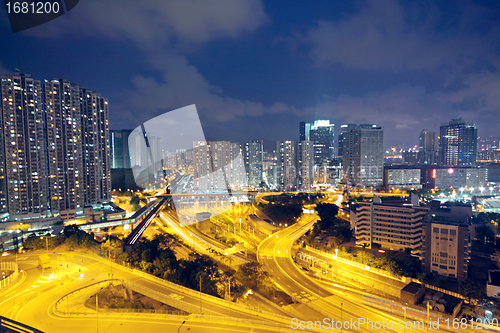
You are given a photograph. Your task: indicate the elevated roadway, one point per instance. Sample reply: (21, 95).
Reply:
(32, 300)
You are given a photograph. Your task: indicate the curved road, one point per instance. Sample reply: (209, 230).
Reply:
(32, 299)
(274, 255)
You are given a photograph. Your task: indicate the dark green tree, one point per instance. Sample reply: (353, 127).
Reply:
(472, 289)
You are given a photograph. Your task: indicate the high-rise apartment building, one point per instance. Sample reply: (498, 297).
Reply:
(66, 172)
(23, 176)
(54, 149)
(253, 153)
(305, 164)
(428, 147)
(363, 155)
(446, 244)
(458, 143)
(78, 142)
(295, 164)
(96, 146)
(218, 166)
(286, 164)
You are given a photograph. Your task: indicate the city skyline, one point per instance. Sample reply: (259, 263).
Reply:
(249, 165)
(395, 64)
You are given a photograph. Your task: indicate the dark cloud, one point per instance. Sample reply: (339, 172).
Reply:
(457, 54)
(387, 35)
(156, 23)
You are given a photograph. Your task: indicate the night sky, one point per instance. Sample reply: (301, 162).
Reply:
(255, 69)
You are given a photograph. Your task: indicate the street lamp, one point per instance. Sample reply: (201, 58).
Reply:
(180, 326)
(405, 317)
(46, 242)
(341, 324)
(97, 308)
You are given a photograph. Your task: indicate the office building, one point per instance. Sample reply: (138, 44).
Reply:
(394, 226)
(120, 154)
(458, 177)
(340, 140)
(322, 134)
(23, 174)
(493, 172)
(410, 157)
(458, 143)
(446, 243)
(305, 129)
(363, 155)
(401, 178)
(428, 147)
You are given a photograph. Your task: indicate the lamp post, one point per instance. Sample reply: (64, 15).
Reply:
(405, 317)
(180, 326)
(97, 308)
(229, 280)
(341, 324)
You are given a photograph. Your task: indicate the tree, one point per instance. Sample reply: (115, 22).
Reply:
(283, 213)
(485, 234)
(113, 247)
(472, 289)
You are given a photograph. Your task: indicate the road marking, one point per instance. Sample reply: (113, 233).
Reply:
(31, 292)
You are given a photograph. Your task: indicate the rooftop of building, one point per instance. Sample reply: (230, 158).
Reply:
(454, 213)
(412, 287)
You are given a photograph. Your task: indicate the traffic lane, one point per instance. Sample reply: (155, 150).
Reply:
(300, 285)
(37, 313)
(286, 264)
(121, 273)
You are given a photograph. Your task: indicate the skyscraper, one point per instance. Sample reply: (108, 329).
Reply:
(305, 164)
(363, 155)
(322, 136)
(295, 164)
(120, 154)
(54, 148)
(23, 180)
(305, 128)
(96, 146)
(428, 147)
(218, 165)
(286, 164)
(321, 133)
(253, 155)
(78, 145)
(458, 143)
(340, 141)
(65, 147)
